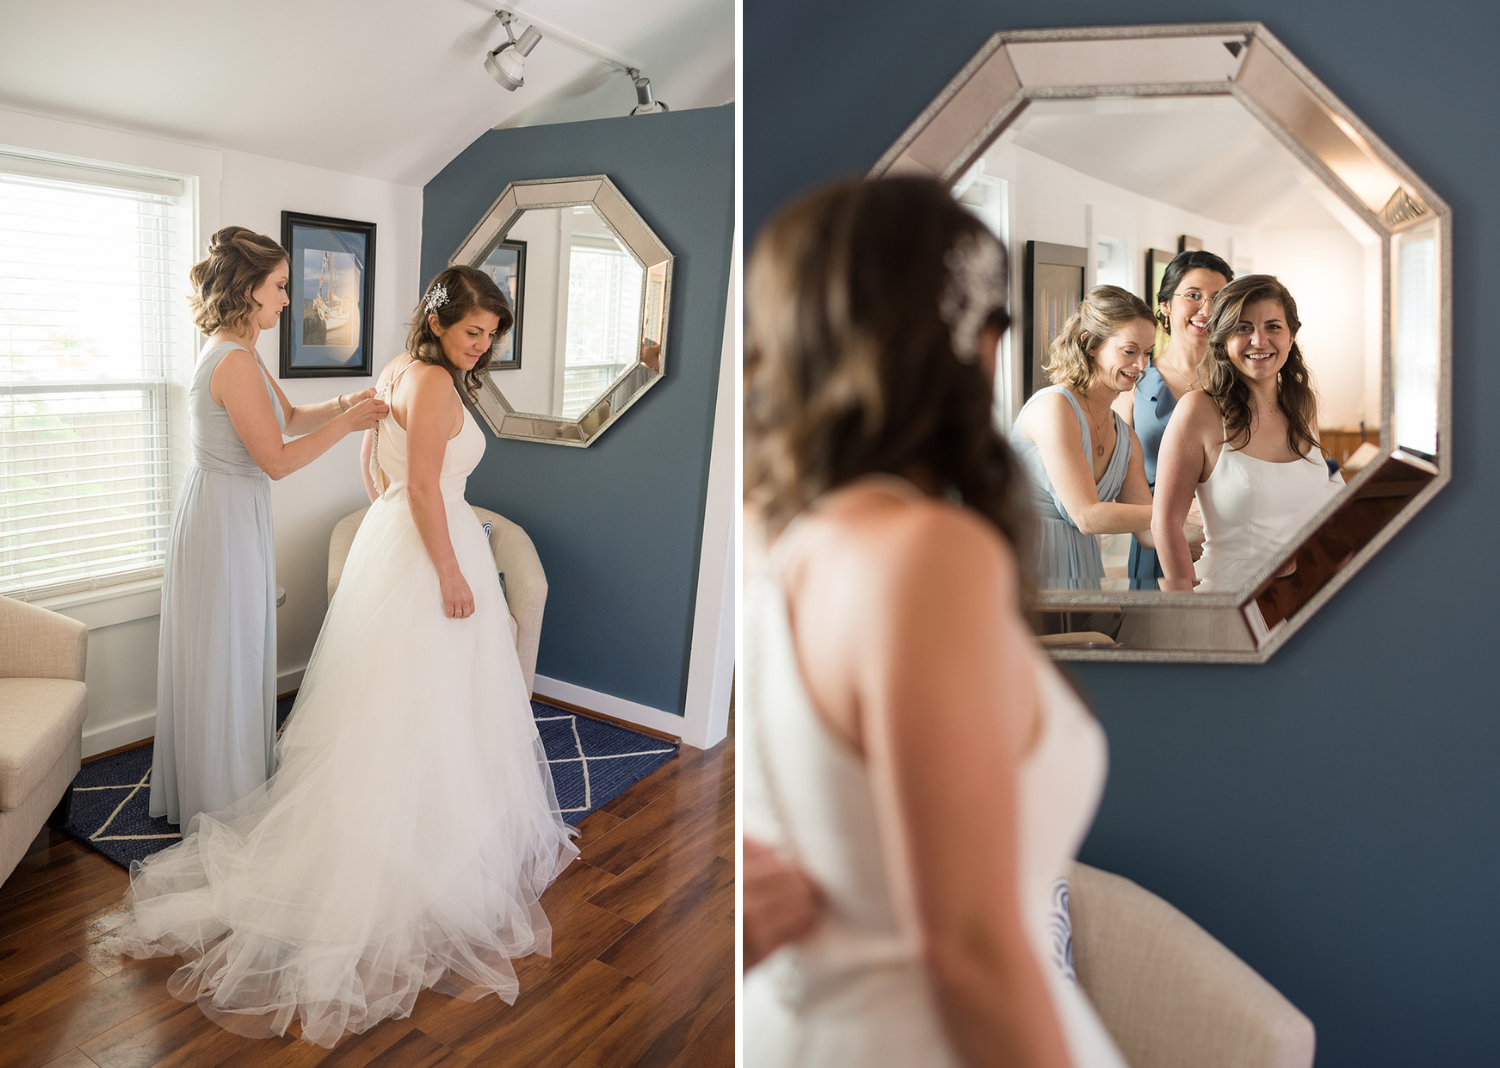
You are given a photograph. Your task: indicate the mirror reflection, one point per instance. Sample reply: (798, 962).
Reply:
(580, 295)
(1160, 203)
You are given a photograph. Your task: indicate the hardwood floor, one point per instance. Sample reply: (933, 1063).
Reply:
(641, 972)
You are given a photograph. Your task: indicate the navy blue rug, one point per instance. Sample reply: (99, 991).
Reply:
(592, 762)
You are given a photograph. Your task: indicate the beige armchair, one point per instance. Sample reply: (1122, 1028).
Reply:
(43, 702)
(1168, 992)
(515, 557)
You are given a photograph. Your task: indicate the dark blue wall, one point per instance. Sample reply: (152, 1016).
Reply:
(1334, 815)
(618, 524)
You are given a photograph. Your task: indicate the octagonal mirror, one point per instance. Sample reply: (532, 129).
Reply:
(1096, 155)
(590, 285)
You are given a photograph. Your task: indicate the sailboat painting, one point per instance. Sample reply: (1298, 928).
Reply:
(326, 330)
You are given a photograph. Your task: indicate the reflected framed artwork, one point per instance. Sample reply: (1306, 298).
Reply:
(1156, 268)
(506, 264)
(327, 331)
(1054, 289)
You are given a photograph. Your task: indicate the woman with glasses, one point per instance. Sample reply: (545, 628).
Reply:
(1188, 288)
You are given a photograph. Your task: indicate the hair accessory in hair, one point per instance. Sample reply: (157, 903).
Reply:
(975, 289)
(437, 296)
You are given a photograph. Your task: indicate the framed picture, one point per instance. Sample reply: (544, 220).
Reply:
(327, 331)
(1054, 289)
(506, 264)
(1186, 242)
(1156, 267)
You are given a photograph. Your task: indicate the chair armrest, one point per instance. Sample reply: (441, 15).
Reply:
(338, 547)
(38, 644)
(1168, 992)
(525, 585)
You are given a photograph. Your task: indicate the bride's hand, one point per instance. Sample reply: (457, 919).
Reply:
(458, 599)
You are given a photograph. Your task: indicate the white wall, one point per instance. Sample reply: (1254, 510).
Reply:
(234, 187)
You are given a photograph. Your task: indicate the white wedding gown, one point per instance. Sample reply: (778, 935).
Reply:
(411, 827)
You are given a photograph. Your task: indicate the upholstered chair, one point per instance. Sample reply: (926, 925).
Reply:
(1170, 994)
(515, 558)
(43, 702)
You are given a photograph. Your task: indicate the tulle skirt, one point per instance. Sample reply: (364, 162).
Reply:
(408, 833)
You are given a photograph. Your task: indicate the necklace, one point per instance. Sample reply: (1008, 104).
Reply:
(1099, 435)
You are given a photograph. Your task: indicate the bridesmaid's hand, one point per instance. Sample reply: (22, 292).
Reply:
(458, 599)
(364, 410)
(781, 904)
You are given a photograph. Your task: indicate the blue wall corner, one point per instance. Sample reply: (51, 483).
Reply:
(618, 525)
(1331, 816)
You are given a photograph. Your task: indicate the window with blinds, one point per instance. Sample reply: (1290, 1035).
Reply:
(92, 320)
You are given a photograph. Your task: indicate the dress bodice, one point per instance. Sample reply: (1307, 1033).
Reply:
(1152, 409)
(1048, 504)
(808, 792)
(1251, 510)
(388, 457)
(216, 446)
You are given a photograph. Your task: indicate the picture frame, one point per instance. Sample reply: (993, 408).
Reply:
(328, 329)
(1156, 268)
(1053, 290)
(506, 265)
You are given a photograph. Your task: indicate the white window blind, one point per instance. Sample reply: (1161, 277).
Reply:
(92, 317)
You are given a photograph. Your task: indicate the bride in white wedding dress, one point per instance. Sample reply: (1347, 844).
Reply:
(411, 828)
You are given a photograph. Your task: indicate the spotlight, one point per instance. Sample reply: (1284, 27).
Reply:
(645, 103)
(507, 64)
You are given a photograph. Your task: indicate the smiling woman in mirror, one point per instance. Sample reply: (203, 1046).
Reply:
(1087, 477)
(1188, 287)
(1245, 444)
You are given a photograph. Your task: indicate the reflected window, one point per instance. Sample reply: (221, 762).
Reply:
(604, 295)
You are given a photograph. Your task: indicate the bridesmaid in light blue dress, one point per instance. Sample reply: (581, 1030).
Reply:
(1067, 558)
(1083, 460)
(1187, 291)
(216, 667)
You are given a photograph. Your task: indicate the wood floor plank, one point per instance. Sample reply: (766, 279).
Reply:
(72, 926)
(162, 1033)
(66, 900)
(52, 855)
(72, 1059)
(659, 1026)
(690, 802)
(419, 1050)
(579, 881)
(595, 825)
(648, 882)
(41, 987)
(87, 1014)
(712, 1047)
(555, 1031)
(696, 919)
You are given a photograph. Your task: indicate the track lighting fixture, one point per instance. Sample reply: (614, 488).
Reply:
(507, 64)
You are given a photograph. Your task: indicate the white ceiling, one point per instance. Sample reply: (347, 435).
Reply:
(1204, 154)
(390, 89)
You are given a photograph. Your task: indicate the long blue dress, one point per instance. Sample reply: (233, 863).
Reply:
(1154, 405)
(1065, 558)
(216, 667)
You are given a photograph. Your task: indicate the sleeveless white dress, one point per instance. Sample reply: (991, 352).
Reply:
(855, 992)
(411, 827)
(1252, 509)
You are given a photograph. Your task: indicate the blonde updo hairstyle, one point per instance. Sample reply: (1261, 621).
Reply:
(1104, 311)
(467, 290)
(239, 260)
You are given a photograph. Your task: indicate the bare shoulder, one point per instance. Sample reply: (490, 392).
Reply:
(1198, 410)
(901, 544)
(1045, 413)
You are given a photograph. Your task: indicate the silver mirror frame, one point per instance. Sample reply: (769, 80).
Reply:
(598, 192)
(1245, 61)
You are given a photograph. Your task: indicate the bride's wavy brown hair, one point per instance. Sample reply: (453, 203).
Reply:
(467, 289)
(849, 367)
(1295, 395)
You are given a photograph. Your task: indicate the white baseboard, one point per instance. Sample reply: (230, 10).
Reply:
(102, 739)
(609, 705)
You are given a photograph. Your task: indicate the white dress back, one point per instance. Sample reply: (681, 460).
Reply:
(855, 992)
